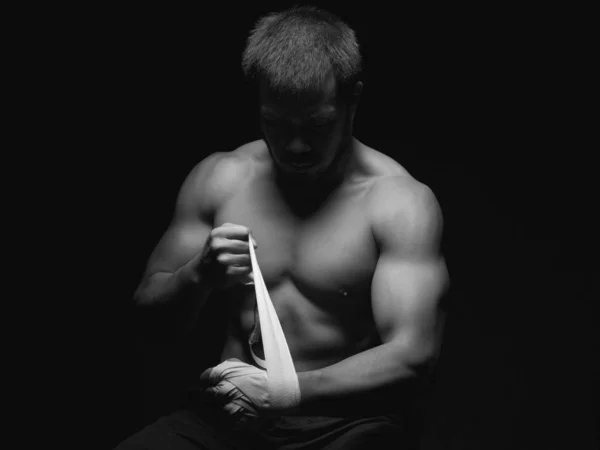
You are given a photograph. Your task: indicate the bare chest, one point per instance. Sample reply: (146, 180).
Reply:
(328, 256)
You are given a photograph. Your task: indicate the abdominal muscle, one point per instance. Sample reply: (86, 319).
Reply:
(317, 336)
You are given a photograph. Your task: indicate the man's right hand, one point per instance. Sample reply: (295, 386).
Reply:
(225, 259)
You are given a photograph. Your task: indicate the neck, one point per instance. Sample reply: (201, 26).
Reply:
(314, 191)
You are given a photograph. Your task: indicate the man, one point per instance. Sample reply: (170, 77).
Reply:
(348, 244)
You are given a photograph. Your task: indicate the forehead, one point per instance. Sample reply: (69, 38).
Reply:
(321, 100)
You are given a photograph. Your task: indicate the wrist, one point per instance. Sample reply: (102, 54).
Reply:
(196, 276)
(309, 383)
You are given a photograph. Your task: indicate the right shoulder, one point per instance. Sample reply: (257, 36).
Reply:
(214, 179)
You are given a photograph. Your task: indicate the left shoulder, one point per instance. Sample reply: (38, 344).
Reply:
(403, 209)
(394, 192)
(391, 186)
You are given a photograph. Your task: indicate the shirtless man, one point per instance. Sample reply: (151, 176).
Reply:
(347, 241)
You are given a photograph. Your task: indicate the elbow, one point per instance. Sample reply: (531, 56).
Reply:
(421, 366)
(138, 297)
(417, 357)
(141, 297)
(423, 360)
(153, 325)
(147, 292)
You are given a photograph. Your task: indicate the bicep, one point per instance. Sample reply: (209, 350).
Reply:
(405, 302)
(182, 241)
(411, 275)
(191, 223)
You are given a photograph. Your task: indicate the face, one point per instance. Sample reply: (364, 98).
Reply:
(304, 133)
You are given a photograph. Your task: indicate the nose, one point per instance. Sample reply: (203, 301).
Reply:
(297, 146)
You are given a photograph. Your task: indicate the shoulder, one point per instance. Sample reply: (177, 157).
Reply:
(211, 181)
(404, 210)
(392, 189)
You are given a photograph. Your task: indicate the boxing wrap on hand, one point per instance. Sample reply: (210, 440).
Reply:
(284, 389)
(246, 389)
(241, 388)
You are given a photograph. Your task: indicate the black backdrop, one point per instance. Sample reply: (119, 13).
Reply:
(470, 109)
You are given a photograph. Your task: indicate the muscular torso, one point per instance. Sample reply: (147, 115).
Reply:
(317, 267)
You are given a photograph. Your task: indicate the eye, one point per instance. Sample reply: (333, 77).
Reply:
(270, 120)
(318, 122)
(321, 125)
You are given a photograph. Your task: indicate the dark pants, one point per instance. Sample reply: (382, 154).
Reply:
(202, 428)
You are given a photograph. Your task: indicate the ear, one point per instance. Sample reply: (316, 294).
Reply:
(358, 87)
(356, 91)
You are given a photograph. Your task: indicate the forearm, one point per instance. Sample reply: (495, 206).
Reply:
(169, 303)
(375, 370)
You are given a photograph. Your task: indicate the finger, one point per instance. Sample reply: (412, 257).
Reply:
(238, 271)
(224, 392)
(226, 245)
(211, 391)
(215, 375)
(221, 389)
(239, 410)
(231, 231)
(234, 411)
(230, 259)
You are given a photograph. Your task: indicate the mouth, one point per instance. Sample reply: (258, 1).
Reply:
(304, 166)
(301, 163)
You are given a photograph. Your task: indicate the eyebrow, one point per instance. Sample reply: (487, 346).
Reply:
(329, 114)
(268, 111)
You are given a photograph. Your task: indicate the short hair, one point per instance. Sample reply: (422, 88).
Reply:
(296, 49)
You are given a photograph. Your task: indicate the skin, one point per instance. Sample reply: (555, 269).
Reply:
(349, 250)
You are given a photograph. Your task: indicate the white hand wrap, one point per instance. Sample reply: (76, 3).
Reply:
(246, 397)
(284, 389)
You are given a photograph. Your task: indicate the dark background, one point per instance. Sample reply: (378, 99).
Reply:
(478, 109)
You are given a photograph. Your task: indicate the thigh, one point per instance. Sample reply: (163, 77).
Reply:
(371, 436)
(185, 430)
(336, 433)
